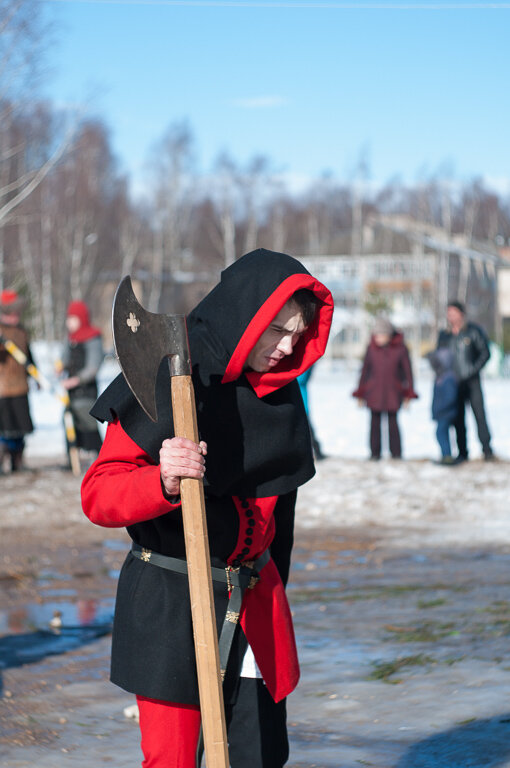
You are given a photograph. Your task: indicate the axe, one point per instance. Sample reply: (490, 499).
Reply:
(142, 339)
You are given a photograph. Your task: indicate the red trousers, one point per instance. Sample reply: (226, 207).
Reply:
(169, 733)
(256, 728)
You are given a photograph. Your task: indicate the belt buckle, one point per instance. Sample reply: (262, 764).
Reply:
(230, 570)
(146, 555)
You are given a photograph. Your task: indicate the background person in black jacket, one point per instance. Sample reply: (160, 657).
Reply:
(470, 347)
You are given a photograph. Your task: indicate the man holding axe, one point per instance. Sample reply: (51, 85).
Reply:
(15, 420)
(265, 323)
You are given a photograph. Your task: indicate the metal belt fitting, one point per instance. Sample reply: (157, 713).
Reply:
(229, 570)
(244, 576)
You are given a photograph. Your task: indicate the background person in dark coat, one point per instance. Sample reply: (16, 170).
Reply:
(81, 359)
(15, 421)
(444, 399)
(250, 338)
(469, 345)
(386, 381)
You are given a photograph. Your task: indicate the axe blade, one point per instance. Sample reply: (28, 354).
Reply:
(142, 339)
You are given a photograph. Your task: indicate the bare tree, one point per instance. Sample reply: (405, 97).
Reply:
(360, 176)
(28, 149)
(319, 214)
(23, 37)
(174, 189)
(66, 229)
(226, 176)
(278, 220)
(254, 184)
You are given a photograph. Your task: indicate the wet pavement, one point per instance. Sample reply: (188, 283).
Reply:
(404, 649)
(406, 664)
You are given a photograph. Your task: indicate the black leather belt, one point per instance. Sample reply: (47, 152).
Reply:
(245, 576)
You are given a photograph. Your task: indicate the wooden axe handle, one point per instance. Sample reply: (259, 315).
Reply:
(200, 586)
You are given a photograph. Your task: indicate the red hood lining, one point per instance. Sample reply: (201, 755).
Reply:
(309, 348)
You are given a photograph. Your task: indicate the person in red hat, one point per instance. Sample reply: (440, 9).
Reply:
(15, 420)
(81, 360)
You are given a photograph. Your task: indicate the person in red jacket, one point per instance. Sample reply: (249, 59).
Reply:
(265, 323)
(386, 381)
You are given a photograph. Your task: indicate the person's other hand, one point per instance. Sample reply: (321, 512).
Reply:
(361, 402)
(180, 457)
(71, 382)
(406, 402)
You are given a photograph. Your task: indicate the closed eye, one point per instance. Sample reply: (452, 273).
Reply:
(278, 329)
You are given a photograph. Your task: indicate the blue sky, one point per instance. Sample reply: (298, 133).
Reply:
(310, 85)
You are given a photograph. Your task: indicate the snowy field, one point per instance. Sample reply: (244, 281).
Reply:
(340, 425)
(412, 503)
(343, 428)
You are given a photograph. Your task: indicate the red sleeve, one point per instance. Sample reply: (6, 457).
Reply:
(123, 485)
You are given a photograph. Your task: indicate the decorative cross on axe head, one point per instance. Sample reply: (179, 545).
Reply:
(142, 339)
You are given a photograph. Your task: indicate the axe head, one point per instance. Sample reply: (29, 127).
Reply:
(142, 339)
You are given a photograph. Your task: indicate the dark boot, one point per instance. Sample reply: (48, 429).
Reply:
(3, 455)
(16, 461)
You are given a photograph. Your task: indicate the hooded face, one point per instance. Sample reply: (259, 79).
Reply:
(382, 339)
(278, 340)
(237, 322)
(10, 317)
(73, 323)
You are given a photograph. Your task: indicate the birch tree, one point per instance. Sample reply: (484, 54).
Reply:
(172, 165)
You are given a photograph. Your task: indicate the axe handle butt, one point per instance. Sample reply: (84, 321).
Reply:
(200, 585)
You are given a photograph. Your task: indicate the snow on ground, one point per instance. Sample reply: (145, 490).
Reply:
(422, 502)
(340, 425)
(411, 503)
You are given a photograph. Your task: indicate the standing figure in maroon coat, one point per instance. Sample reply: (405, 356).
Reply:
(265, 323)
(385, 383)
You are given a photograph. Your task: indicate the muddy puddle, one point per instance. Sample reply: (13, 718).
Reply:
(50, 609)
